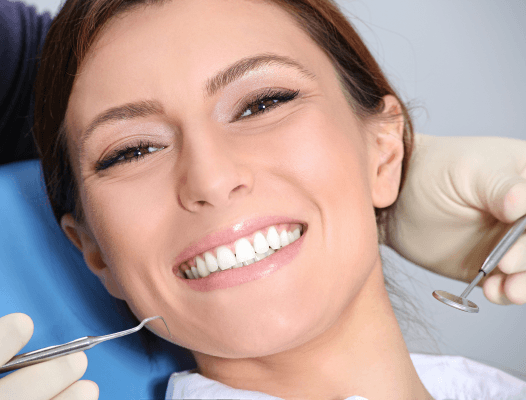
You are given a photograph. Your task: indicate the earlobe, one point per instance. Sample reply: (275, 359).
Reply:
(91, 252)
(389, 154)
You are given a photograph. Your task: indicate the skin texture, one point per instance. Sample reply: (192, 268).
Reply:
(321, 327)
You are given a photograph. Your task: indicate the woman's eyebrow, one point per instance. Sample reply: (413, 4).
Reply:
(126, 111)
(245, 65)
(223, 78)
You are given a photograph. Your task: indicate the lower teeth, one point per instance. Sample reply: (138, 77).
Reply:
(259, 257)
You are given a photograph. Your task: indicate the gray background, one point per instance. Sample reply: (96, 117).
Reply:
(461, 63)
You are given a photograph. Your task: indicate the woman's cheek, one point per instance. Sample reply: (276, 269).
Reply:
(123, 215)
(318, 154)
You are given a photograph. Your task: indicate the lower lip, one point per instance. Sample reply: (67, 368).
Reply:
(237, 276)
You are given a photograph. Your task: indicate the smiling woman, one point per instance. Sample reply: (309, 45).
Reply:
(269, 150)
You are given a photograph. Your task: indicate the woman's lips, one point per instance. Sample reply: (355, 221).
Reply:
(242, 252)
(227, 236)
(236, 276)
(231, 234)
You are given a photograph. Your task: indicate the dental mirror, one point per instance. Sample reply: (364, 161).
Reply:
(463, 304)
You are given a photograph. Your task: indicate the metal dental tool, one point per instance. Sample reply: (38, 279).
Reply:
(84, 343)
(491, 262)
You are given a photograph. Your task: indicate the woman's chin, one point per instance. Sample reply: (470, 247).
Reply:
(260, 337)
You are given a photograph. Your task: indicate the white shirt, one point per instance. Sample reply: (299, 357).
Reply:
(445, 378)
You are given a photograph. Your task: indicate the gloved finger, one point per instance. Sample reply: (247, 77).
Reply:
(506, 289)
(514, 260)
(80, 390)
(503, 196)
(515, 288)
(493, 289)
(45, 380)
(15, 331)
(515, 200)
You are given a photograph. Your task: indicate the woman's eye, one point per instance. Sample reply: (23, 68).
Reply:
(265, 101)
(129, 153)
(261, 106)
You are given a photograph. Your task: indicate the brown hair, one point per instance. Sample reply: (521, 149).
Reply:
(80, 21)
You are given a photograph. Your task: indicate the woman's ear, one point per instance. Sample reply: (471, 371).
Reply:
(387, 153)
(81, 238)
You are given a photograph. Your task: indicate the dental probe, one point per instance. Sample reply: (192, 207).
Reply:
(81, 344)
(461, 303)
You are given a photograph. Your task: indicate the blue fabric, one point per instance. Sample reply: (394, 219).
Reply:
(44, 276)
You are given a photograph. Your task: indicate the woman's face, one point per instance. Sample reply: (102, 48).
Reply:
(214, 170)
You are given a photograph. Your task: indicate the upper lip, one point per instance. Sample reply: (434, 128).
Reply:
(230, 234)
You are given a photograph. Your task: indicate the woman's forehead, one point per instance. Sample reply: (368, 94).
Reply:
(195, 38)
(176, 46)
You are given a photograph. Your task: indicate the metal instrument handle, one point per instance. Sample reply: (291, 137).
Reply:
(84, 343)
(48, 353)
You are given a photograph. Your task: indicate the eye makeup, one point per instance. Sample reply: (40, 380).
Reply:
(264, 101)
(129, 152)
(258, 104)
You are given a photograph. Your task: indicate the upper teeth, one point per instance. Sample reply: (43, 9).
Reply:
(245, 252)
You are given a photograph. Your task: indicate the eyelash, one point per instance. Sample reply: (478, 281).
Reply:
(282, 95)
(119, 156)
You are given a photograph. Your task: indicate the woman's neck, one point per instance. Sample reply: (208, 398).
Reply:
(363, 353)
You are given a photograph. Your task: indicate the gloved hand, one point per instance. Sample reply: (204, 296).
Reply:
(461, 196)
(55, 379)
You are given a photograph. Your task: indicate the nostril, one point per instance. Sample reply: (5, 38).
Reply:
(238, 188)
(201, 202)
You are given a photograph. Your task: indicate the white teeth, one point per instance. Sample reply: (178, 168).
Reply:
(296, 233)
(244, 250)
(201, 267)
(284, 238)
(260, 257)
(211, 262)
(260, 243)
(273, 238)
(246, 254)
(225, 258)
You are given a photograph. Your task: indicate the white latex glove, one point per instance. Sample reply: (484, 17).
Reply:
(461, 196)
(55, 379)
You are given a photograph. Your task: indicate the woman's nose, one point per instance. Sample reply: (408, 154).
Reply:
(213, 176)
